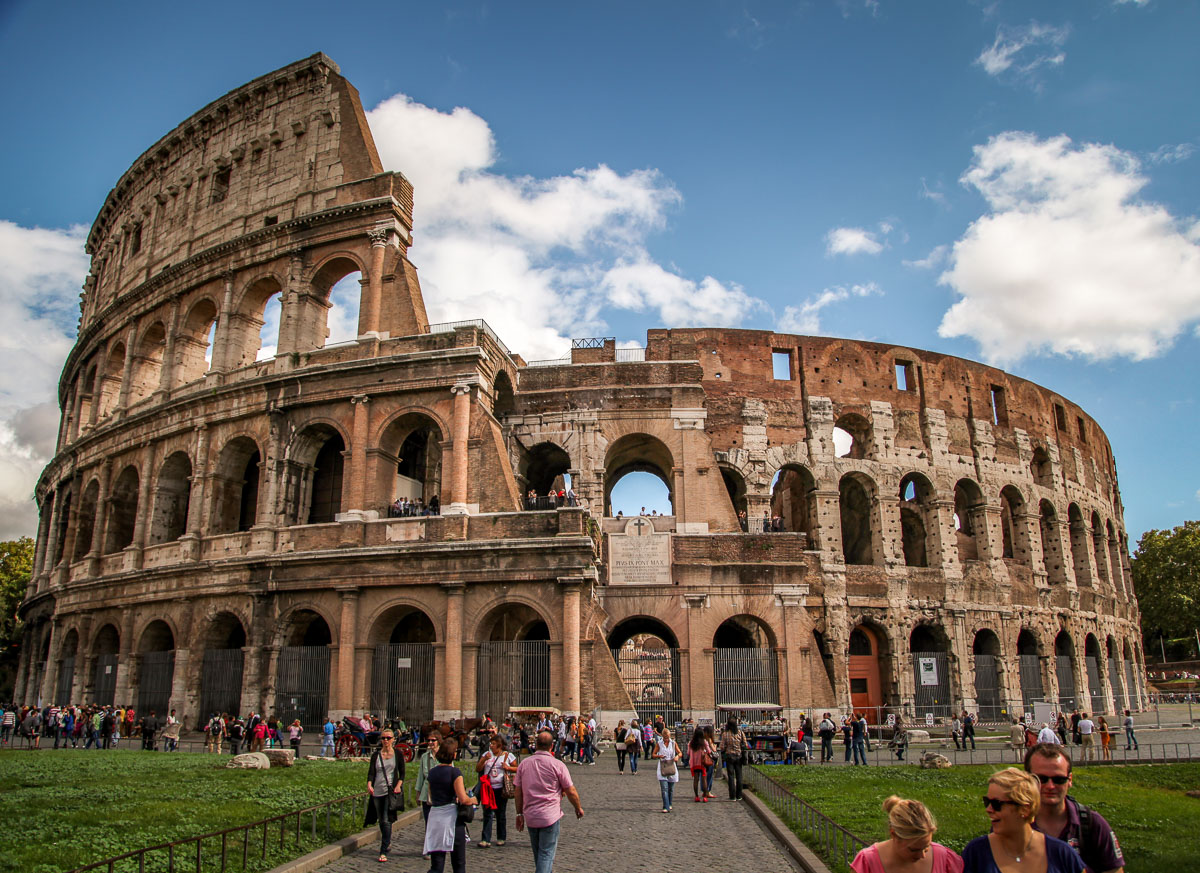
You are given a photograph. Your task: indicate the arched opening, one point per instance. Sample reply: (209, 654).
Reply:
(147, 363)
(745, 666)
(856, 506)
(544, 469)
(1012, 525)
(852, 436)
(402, 676)
(916, 519)
(302, 677)
(194, 344)
(968, 519)
(986, 649)
(268, 334)
(1028, 656)
(330, 314)
(1052, 557)
(122, 511)
(66, 669)
(735, 487)
(156, 668)
(513, 664)
(221, 667)
(646, 652)
(313, 473)
(1114, 560)
(1080, 547)
(1132, 697)
(1040, 468)
(172, 499)
(104, 675)
(794, 501)
(1100, 548)
(930, 648)
(235, 487)
(344, 298)
(1064, 669)
(410, 466)
(1092, 661)
(87, 395)
(62, 523)
(642, 459)
(110, 382)
(503, 399)
(1113, 650)
(254, 328)
(867, 652)
(85, 521)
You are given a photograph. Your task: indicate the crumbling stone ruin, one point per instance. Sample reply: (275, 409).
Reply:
(335, 528)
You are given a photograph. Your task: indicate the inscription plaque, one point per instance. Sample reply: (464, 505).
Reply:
(640, 555)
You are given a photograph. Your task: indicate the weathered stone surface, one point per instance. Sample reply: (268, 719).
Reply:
(280, 757)
(934, 761)
(916, 735)
(249, 761)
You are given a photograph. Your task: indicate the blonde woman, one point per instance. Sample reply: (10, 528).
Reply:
(669, 756)
(1013, 846)
(909, 847)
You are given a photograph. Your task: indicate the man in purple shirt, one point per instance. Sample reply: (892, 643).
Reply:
(541, 781)
(1064, 817)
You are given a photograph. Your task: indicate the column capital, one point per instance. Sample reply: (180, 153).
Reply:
(379, 235)
(349, 592)
(360, 399)
(463, 387)
(451, 588)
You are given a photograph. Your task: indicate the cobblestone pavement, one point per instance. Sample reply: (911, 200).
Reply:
(622, 831)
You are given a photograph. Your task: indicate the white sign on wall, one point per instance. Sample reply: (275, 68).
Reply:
(927, 667)
(403, 663)
(639, 556)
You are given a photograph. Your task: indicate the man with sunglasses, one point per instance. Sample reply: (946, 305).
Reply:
(1060, 815)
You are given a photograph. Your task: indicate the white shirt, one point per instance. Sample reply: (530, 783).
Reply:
(494, 767)
(1086, 726)
(1047, 735)
(666, 752)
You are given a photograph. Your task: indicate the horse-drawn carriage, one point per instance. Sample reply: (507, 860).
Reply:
(356, 737)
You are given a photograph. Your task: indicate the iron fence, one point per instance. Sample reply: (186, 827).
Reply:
(302, 689)
(212, 851)
(155, 676)
(746, 676)
(829, 838)
(402, 682)
(1064, 669)
(105, 680)
(653, 679)
(66, 681)
(512, 674)
(220, 682)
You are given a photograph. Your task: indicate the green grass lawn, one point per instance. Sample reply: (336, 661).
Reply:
(1155, 822)
(64, 809)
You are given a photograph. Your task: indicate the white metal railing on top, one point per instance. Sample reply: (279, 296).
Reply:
(451, 326)
(553, 362)
(623, 356)
(630, 355)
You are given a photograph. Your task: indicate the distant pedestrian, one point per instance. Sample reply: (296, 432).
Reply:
(1105, 732)
(295, 732)
(1047, 734)
(910, 840)
(541, 781)
(327, 734)
(699, 758)
(669, 756)
(633, 745)
(443, 834)
(733, 753)
(968, 729)
(826, 729)
(621, 745)
(385, 778)
(1087, 728)
(1130, 738)
(858, 739)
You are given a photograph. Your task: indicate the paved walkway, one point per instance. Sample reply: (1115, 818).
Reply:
(622, 831)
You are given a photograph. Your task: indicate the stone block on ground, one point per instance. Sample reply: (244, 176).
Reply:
(916, 735)
(249, 761)
(934, 761)
(280, 757)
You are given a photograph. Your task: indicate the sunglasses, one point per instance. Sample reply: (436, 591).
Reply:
(1057, 780)
(996, 803)
(387, 738)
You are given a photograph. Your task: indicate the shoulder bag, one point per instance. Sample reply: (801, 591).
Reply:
(466, 813)
(666, 766)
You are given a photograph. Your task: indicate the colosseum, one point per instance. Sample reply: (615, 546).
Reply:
(242, 522)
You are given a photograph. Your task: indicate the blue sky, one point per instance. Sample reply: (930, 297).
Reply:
(1013, 182)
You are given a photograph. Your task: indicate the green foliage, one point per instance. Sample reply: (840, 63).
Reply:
(68, 808)
(1166, 577)
(1146, 805)
(16, 566)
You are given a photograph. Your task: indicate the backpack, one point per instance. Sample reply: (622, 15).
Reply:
(1085, 821)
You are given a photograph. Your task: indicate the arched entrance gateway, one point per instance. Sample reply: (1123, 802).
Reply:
(986, 649)
(931, 671)
(104, 677)
(1091, 660)
(745, 664)
(1031, 669)
(866, 685)
(402, 675)
(513, 665)
(221, 667)
(302, 676)
(66, 669)
(647, 656)
(1064, 668)
(156, 668)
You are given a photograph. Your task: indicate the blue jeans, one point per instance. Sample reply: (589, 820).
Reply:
(708, 777)
(327, 743)
(633, 759)
(500, 816)
(860, 750)
(545, 843)
(668, 791)
(1130, 739)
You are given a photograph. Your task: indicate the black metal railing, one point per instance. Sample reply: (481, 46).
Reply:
(822, 833)
(233, 848)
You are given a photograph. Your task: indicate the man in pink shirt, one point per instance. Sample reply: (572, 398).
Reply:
(541, 781)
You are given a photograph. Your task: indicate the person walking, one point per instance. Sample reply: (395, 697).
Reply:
(494, 765)
(385, 784)
(858, 739)
(826, 728)
(911, 827)
(1087, 729)
(956, 732)
(900, 737)
(1061, 727)
(295, 732)
(968, 729)
(698, 761)
(1011, 804)
(621, 745)
(443, 834)
(541, 781)
(327, 733)
(669, 756)
(733, 750)
(847, 736)
(1130, 738)
(633, 745)
(1105, 732)
(1016, 738)
(710, 741)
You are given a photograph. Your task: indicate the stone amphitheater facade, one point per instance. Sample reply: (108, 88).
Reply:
(214, 528)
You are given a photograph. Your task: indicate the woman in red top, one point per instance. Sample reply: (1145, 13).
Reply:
(697, 752)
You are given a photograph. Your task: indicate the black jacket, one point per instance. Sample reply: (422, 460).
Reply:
(372, 815)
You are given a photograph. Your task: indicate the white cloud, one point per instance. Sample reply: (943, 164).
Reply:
(1068, 260)
(934, 259)
(936, 195)
(1131, 2)
(1021, 52)
(538, 258)
(1171, 154)
(852, 241)
(805, 319)
(41, 272)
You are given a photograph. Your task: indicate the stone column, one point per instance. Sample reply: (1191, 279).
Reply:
(355, 488)
(179, 684)
(569, 587)
(99, 521)
(124, 684)
(372, 296)
(141, 524)
(127, 371)
(221, 352)
(698, 669)
(189, 543)
(76, 424)
(452, 683)
(166, 374)
(46, 692)
(458, 461)
(343, 696)
(52, 535)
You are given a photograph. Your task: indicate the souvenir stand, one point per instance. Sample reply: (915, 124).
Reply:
(763, 725)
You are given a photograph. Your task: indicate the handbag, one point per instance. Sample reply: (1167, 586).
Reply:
(706, 759)
(666, 768)
(396, 801)
(466, 813)
(509, 788)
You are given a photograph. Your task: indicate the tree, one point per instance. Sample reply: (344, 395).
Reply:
(1166, 577)
(16, 566)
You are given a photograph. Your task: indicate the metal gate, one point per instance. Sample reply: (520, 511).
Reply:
(302, 686)
(220, 684)
(154, 682)
(104, 684)
(66, 682)
(1114, 679)
(931, 681)
(402, 682)
(1097, 692)
(1133, 700)
(1031, 681)
(652, 678)
(1065, 671)
(987, 687)
(512, 674)
(746, 676)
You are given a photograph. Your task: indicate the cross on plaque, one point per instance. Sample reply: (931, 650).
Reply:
(639, 524)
